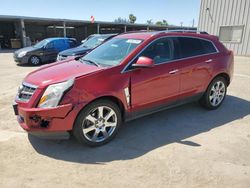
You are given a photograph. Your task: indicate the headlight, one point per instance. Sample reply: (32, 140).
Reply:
(21, 54)
(54, 93)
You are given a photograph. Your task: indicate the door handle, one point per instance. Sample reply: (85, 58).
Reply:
(173, 71)
(208, 61)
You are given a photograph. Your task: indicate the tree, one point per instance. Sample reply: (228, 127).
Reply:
(121, 20)
(158, 23)
(150, 22)
(162, 23)
(132, 18)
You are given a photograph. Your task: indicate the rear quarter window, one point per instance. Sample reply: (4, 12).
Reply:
(209, 47)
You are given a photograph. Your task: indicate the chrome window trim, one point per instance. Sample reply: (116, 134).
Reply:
(124, 70)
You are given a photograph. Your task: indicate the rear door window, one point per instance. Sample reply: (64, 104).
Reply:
(193, 47)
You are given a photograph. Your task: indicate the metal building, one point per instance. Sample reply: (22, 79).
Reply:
(230, 21)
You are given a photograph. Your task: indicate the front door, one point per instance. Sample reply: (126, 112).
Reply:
(158, 85)
(50, 51)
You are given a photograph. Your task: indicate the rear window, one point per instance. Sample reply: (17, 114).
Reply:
(193, 47)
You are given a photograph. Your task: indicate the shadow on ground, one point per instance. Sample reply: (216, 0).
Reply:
(148, 133)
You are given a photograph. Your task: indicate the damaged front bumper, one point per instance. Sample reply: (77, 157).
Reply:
(46, 122)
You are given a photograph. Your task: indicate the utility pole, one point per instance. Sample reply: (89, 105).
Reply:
(193, 23)
(181, 23)
(64, 29)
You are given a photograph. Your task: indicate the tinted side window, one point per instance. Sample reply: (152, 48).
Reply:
(209, 47)
(50, 45)
(190, 47)
(162, 50)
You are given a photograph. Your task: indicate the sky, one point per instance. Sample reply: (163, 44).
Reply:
(174, 11)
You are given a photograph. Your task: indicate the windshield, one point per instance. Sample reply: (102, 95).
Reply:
(41, 44)
(111, 53)
(93, 41)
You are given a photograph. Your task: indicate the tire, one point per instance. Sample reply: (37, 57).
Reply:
(94, 128)
(215, 94)
(34, 60)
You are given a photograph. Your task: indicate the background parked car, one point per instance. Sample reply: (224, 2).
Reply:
(44, 51)
(88, 44)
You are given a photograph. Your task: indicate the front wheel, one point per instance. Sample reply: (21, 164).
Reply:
(215, 94)
(34, 60)
(98, 123)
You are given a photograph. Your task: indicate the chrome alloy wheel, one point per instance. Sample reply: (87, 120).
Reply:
(35, 60)
(217, 93)
(99, 124)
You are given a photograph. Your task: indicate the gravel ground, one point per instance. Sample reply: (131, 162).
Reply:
(182, 147)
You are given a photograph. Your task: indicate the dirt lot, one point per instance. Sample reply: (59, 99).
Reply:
(183, 147)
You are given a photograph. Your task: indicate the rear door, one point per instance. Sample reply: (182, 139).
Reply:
(196, 58)
(158, 85)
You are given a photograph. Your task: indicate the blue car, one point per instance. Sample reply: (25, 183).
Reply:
(87, 45)
(44, 51)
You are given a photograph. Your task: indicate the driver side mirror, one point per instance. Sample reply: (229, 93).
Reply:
(144, 62)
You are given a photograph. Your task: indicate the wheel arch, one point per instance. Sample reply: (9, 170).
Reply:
(224, 75)
(114, 99)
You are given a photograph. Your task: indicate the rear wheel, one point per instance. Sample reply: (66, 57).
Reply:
(34, 60)
(98, 123)
(215, 94)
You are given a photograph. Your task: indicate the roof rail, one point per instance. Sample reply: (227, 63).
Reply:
(137, 31)
(186, 31)
(166, 31)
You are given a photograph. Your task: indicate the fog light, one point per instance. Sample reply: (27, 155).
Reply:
(44, 123)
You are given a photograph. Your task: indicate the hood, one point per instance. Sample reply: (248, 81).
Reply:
(59, 72)
(26, 49)
(75, 51)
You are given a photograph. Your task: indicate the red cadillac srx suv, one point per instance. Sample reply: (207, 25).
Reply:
(131, 75)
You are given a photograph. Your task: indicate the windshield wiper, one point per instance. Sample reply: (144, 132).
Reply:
(89, 61)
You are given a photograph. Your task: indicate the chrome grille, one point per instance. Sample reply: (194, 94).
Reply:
(25, 92)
